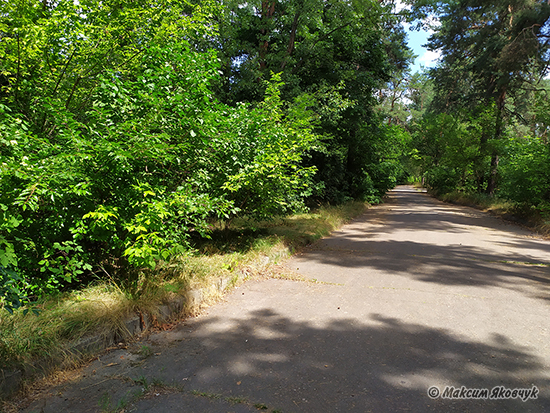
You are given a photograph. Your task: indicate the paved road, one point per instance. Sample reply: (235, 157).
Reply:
(413, 294)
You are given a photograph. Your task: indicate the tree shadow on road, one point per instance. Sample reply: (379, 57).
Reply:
(516, 263)
(430, 214)
(440, 264)
(269, 360)
(382, 365)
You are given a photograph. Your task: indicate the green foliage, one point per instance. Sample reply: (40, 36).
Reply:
(336, 54)
(268, 178)
(525, 172)
(455, 151)
(115, 151)
(455, 154)
(12, 289)
(62, 262)
(489, 49)
(493, 54)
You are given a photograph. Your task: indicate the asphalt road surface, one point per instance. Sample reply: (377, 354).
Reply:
(412, 295)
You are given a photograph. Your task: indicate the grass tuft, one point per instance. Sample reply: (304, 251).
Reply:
(61, 319)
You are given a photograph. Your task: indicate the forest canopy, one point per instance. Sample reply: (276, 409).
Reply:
(483, 126)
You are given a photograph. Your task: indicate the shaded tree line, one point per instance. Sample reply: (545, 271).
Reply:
(480, 117)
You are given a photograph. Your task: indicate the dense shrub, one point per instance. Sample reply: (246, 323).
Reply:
(112, 172)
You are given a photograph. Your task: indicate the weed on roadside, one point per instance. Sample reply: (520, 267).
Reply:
(236, 399)
(206, 395)
(232, 400)
(145, 352)
(106, 405)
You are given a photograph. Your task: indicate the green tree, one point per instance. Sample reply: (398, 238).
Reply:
(114, 148)
(489, 51)
(338, 54)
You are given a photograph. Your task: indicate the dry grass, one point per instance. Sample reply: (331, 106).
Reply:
(60, 319)
(244, 249)
(481, 201)
(303, 229)
(525, 215)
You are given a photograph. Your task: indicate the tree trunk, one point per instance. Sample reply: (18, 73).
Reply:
(292, 39)
(268, 10)
(492, 183)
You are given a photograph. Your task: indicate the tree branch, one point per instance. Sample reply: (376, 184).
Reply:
(64, 70)
(292, 40)
(17, 77)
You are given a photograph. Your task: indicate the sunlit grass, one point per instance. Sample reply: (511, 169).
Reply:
(482, 201)
(60, 319)
(244, 248)
(535, 218)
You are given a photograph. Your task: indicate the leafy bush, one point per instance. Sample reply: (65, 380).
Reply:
(456, 150)
(113, 171)
(442, 179)
(525, 171)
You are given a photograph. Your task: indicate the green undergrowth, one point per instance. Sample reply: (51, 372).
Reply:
(243, 246)
(536, 218)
